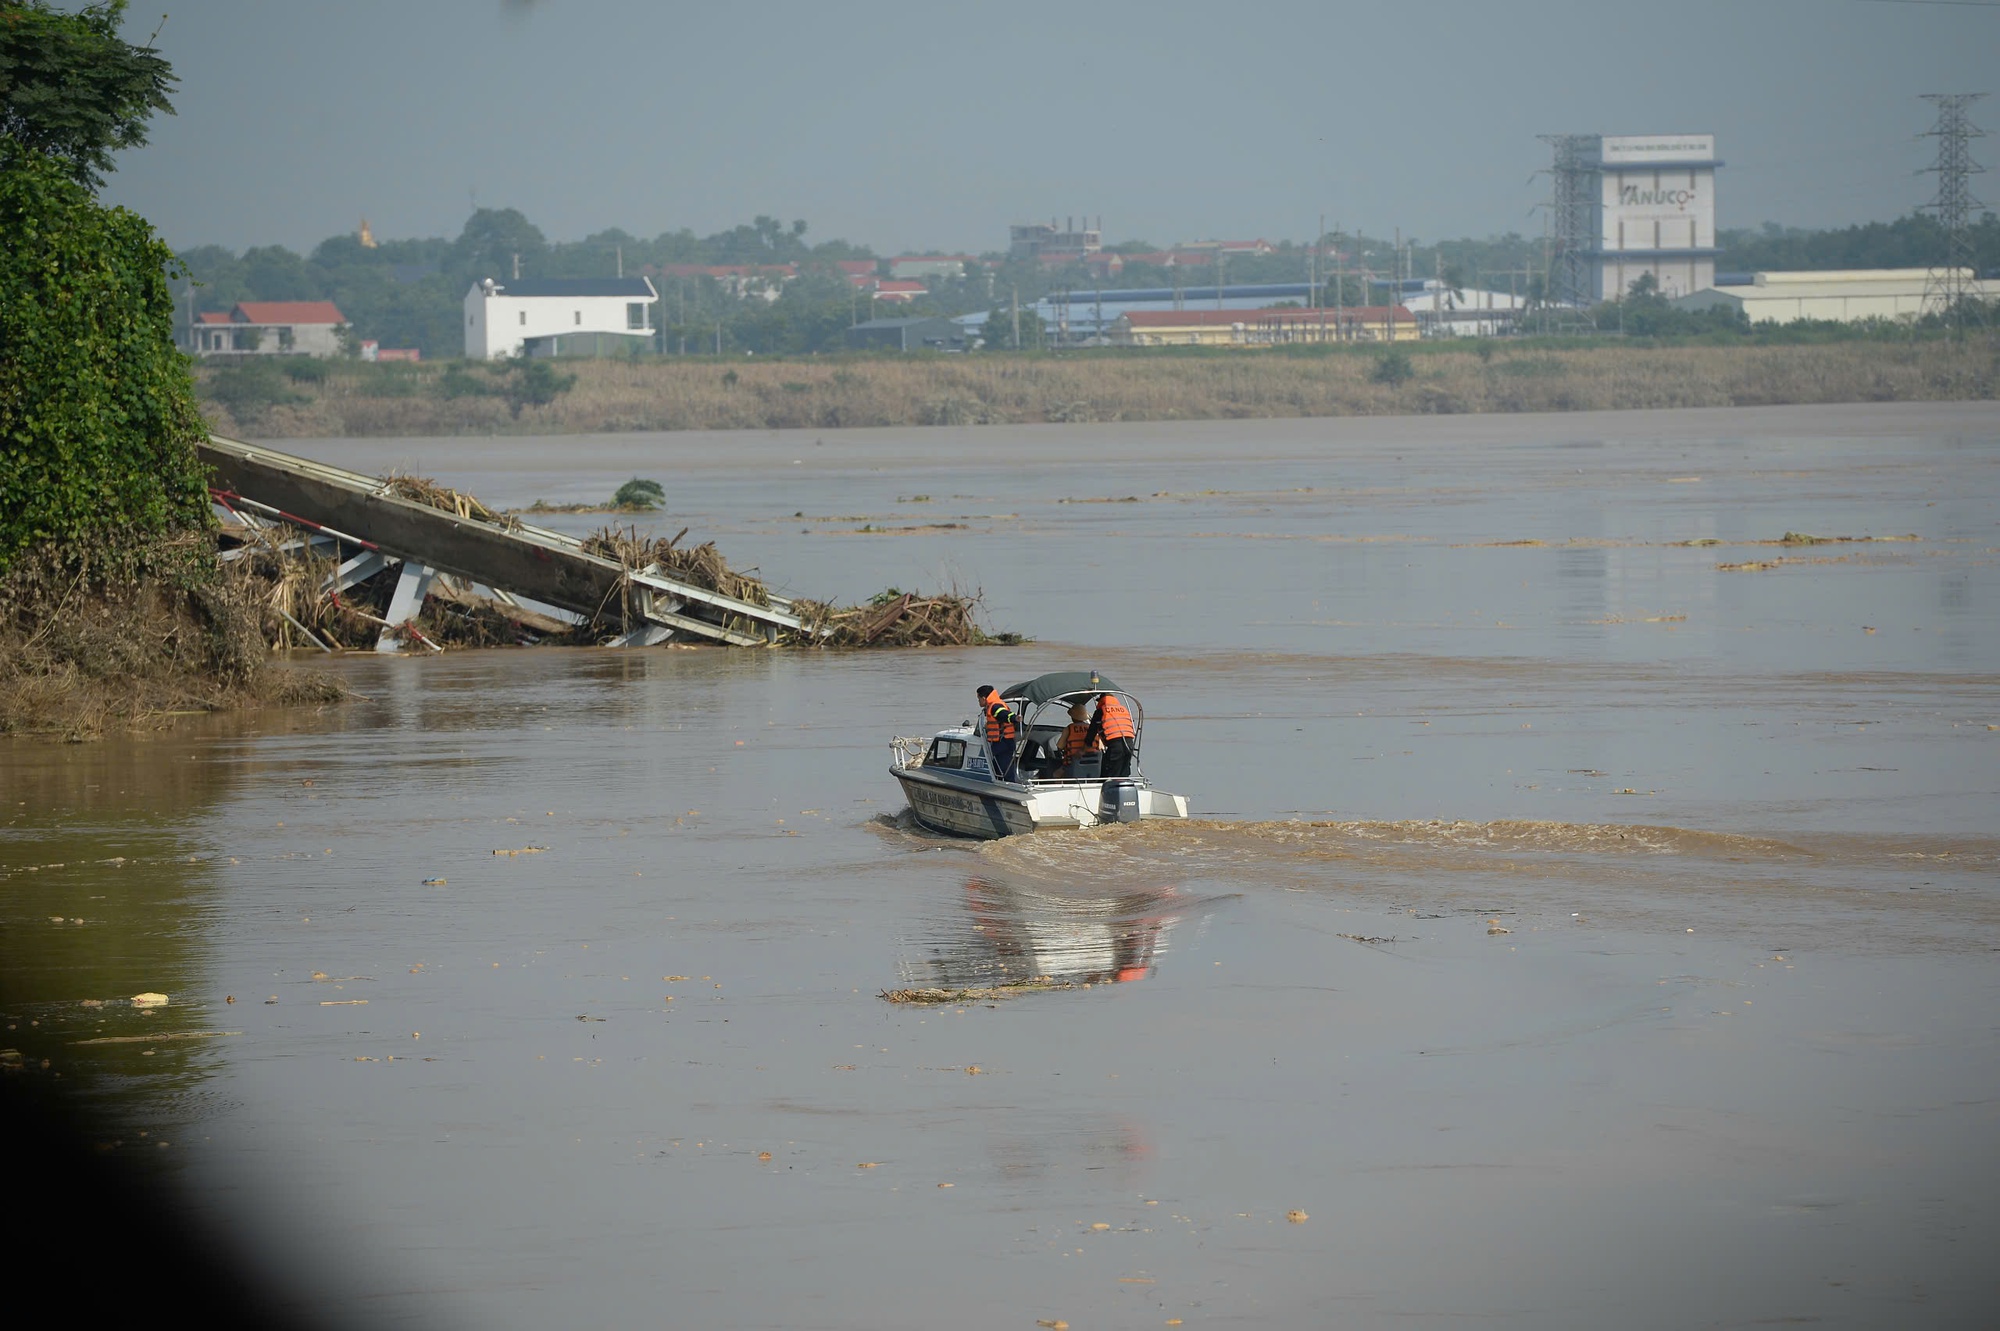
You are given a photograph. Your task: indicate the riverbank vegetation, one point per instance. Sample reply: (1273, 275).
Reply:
(1809, 366)
(112, 605)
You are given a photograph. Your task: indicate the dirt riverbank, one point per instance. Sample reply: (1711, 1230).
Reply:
(746, 393)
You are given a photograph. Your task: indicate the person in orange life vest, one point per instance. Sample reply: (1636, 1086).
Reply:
(1075, 741)
(1113, 726)
(1000, 731)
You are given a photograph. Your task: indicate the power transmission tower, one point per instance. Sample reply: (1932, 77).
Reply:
(1951, 291)
(1573, 181)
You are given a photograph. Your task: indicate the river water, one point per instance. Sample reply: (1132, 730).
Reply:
(1574, 932)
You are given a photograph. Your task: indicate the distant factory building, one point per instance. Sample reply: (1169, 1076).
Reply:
(951, 266)
(1054, 246)
(1632, 204)
(271, 328)
(1465, 312)
(1843, 296)
(766, 281)
(557, 316)
(914, 334)
(1262, 328)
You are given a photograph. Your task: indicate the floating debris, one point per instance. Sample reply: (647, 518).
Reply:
(985, 994)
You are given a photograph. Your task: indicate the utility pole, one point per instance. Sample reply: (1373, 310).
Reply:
(1437, 290)
(1339, 284)
(1017, 316)
(1951, 290)
(1319, 272)
(1395, 283)
(517, 267)
(1312, 266)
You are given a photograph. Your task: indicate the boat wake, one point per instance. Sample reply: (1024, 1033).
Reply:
(1455, 865)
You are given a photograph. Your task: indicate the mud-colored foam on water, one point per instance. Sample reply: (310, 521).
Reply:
(1917, 892)
(1408, 843)
(1363, 837)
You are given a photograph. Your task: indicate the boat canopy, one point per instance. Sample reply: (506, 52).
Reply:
(1042, 688)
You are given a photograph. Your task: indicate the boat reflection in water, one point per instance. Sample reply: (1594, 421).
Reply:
(1021, 935)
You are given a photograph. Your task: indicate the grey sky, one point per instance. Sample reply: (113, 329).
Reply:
(924, 125)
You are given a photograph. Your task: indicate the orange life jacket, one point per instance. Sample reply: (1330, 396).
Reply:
(996, 727)
(1076, 741)
(1117, 721)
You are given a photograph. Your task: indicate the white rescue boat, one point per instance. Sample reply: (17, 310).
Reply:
(953, 788)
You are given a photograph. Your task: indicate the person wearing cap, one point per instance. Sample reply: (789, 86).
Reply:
(1113, 726)
(1001, 731)
(1075, 741)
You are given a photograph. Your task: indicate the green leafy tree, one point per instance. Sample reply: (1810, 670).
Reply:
(490, 241)
(97, 414)
(275, 273)
(997, 333)
(72, 90)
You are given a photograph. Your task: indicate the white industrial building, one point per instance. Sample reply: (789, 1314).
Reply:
(1844, 296)
(1466, 312)
(1654, 212)
(538, 316)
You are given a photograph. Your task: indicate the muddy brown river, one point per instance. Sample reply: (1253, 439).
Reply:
(1590, 918)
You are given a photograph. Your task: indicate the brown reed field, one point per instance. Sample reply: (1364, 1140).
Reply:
(835, 393)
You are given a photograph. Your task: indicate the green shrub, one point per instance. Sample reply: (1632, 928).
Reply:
(305, 370)
(534, 383)
(637, 493)
(458, 381)
(250, 388)
(1393, 367)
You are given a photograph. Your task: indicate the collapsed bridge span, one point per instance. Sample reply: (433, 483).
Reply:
(368, 525)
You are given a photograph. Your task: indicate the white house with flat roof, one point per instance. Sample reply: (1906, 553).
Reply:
(534, 316)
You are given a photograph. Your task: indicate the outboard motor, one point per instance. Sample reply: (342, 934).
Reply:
(1120, 802)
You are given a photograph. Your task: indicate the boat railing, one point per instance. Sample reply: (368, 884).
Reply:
(907, 751)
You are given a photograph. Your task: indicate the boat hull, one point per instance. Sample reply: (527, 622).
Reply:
(963, 806)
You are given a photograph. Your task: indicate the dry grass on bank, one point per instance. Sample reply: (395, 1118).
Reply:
(80, 656)
(749, 393)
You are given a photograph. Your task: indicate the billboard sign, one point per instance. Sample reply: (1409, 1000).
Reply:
(1616, 150)
(1644, 198)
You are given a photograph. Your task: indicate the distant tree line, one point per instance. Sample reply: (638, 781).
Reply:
(410, 293)
(1914, 241)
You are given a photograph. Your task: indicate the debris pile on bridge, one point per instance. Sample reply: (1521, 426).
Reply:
(423, 490)
(701, 565)
(407, 562)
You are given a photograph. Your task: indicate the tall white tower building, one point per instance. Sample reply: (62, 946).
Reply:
(1655, 213)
